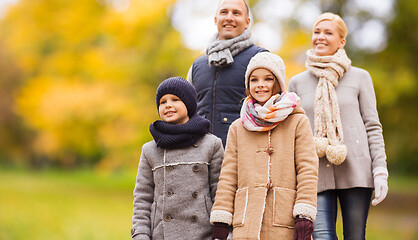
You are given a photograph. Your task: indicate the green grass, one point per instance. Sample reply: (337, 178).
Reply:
(84, 204)
(65, 205)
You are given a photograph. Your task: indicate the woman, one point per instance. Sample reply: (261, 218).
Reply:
(340, 103)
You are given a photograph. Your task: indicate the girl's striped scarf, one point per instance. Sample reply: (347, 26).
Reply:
(264, 118)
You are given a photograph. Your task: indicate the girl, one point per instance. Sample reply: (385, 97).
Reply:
(340, 103)
(178, 171)
(268, 178)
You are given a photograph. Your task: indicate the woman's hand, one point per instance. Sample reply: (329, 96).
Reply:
(303, 229)
(380, 188)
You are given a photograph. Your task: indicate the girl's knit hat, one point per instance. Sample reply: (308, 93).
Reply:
(181, 88)
(271, 62)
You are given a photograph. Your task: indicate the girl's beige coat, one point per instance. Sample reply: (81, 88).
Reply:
(244, 198)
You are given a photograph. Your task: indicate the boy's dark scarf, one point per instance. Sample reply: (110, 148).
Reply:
(172, 136)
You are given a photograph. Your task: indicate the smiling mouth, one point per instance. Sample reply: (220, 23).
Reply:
(229, 26)
(169, 114)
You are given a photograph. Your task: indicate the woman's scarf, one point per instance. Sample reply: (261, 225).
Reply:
(221, 52)
(264, 118)
(328, 130)
(173, 136)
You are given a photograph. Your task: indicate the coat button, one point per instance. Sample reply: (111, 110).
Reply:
(195, 145)
(167, 218)
(225, 119)
(270, 150)
(170, 168)
(194, 218)
(170, 193)
(328, 165)
(195, 168)
(194, 194)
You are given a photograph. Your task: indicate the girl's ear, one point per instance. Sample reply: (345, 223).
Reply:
(247, 92)
(276, 87)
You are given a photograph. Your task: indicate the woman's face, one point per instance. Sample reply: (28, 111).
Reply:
(325, 38)
(261, 85)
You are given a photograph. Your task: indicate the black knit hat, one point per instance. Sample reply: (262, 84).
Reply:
(181, 88)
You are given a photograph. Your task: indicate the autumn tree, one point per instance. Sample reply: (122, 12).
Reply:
(89, 76)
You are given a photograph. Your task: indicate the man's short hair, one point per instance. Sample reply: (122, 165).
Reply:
(246, 7)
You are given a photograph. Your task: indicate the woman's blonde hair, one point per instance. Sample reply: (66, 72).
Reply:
(342, 28)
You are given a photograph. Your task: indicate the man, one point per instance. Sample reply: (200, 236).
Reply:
(218, 76)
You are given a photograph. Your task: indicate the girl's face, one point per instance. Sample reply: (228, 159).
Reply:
(325, 38)
(172, 110)
(262, 85)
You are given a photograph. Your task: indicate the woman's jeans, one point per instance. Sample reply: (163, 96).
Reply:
(354, 204)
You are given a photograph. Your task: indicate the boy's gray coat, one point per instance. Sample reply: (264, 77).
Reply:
(175, 190)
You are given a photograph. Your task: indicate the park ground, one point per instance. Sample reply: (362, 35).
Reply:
(88, 205)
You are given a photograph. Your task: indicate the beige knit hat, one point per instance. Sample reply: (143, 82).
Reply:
(269, 61)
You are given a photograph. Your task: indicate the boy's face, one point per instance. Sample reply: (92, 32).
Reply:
(172, 110)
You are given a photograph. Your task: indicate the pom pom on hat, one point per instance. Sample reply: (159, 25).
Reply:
(269, 61)
(336, 154)
(181, 88)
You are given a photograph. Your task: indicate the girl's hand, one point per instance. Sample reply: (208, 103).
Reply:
(220, 231)
(303, 229)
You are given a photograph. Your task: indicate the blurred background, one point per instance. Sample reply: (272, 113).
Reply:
(77, 95)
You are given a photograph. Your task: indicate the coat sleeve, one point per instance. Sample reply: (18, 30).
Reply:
(215, 167)
(223, 207)
(368, 110)
(292, 85)
(189, 77)
(306, 163)
(143, 199)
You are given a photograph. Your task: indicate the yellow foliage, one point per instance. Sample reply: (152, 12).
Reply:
(293, 52)
(90, 74)
(71, 113)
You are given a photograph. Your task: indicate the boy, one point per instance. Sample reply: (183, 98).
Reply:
(178, 171)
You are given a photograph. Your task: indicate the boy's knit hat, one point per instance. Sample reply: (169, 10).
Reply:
(271, 62)
(181, 88)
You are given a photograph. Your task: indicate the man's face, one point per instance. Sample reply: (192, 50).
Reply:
(231, 19)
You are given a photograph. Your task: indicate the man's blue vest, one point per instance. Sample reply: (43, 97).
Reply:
(220, 90)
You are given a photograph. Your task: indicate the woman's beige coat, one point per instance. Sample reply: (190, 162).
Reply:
(245, 199)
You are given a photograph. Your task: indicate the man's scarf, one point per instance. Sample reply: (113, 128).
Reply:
(221, 52)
